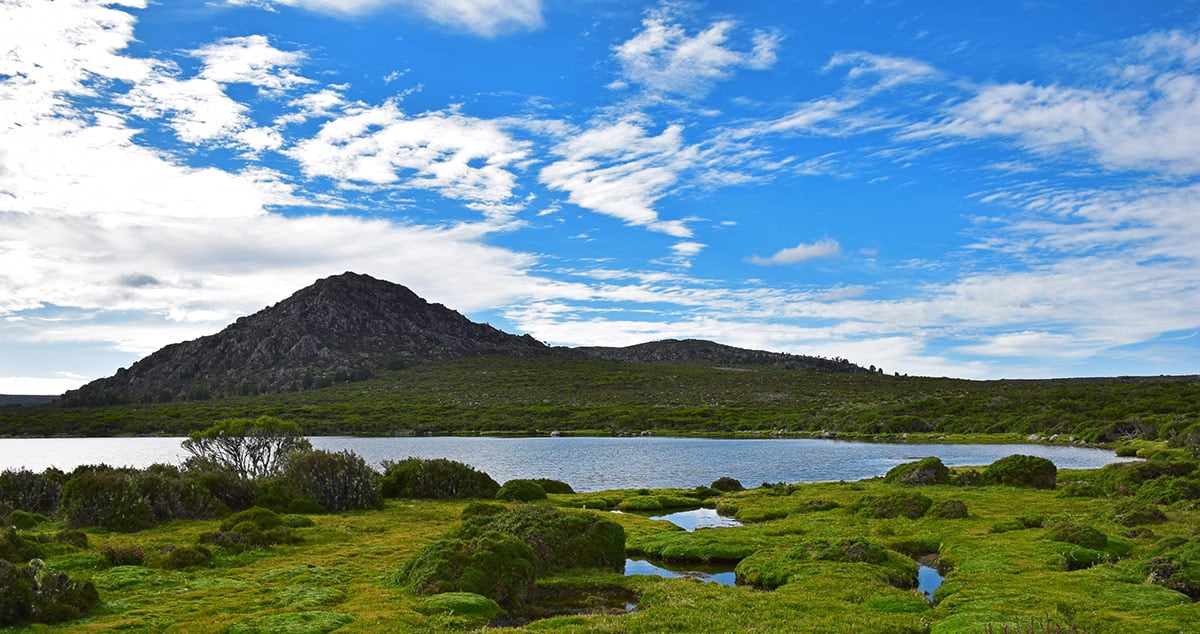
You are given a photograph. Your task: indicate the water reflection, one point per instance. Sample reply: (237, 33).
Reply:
(723, 575)
(698, 518)
(928, 581)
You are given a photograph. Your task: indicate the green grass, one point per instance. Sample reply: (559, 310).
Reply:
(341, 577)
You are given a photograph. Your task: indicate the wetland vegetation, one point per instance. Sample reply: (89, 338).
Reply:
(327, 543)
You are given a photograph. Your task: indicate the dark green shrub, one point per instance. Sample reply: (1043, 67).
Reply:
(1169, 489)
(28, 491)
(106, 498)
(554, 486)
(264, 519)
(1029, 472)
(521, 491)
(703, 493)
(726, 484)
(123, 555)
(32, 593)
(949, 510)
(78, 539)
(482, 509)
(1081, 489)
(176, 557)
(499, 555)
(902, 504)
(1078, 534)
(235, 492)
(281, 496)
(1127, 478)
(339, 481)
(1031, 520)
(172, 498)
(14, 547)
(920, 473)
(1080, 558)
(296, 521)
(1137, 514)
(25, 520)
(438, 478)
(966, 478)
(1174, 572)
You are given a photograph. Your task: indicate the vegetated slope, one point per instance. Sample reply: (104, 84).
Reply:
(24, 399)
(346, 328)
(340, 328)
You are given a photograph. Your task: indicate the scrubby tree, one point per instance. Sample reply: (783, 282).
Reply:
(252, 448)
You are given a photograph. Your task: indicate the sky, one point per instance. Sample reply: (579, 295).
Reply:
(975, 190)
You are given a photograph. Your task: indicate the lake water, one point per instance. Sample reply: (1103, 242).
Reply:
(588, 464)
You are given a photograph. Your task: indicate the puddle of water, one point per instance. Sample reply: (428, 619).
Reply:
(723, 575)
(698, 518)
(928, 580)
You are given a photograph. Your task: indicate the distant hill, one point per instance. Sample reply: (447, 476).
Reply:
(346, 327)
(24, 399)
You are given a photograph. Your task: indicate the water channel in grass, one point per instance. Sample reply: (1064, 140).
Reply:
(723, 575)
(928, 581)
(586, 463)
(698, 518)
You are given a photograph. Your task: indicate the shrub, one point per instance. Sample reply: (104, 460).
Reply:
(32, 593)
(176, 557)
(1168, 490)
(296, 521)
(1029, 472)
(281, 496)
(521, 491)
(123, 555)
(14, 547)
(253, 528)
(949, 510)
(436, 479)
(75, 538)
(25, 520)
(1136, 514)
(235, 492)
(499, 555)
(172, 498)
(922, 472)
(726, 484)
(554, 486)
(1078, 534)
(129, 500)
(264, 519)
(482, 509)
(339, 481)
(902, 504)
(32, 492)
(249, 448)
(966, 478)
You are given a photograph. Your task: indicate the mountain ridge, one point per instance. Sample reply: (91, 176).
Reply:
(346, 327)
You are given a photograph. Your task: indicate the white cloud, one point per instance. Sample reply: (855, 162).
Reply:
(620, 170)
(824, 248)
(487, 18)
(885, 71)
(664, 58)
(251, 60)
(458, 156)
(41, 385)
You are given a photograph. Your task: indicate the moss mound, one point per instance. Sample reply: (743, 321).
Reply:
(469, 609)
(923, 472)
(902, 504)
(521, 491)
(774, 567)
(949, 510)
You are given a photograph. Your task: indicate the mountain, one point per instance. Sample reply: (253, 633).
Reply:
(346, 327)
(338, 329)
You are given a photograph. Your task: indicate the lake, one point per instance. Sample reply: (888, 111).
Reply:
(588, 463)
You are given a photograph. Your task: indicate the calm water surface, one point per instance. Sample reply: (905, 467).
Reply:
(588, 464)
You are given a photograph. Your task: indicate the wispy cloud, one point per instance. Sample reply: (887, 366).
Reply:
(665, 58)
(487, 18)
(824, 248)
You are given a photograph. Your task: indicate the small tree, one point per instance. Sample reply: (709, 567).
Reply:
(252, 449)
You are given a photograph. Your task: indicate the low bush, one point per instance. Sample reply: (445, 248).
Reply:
(235, 492)
(32, 593)
(253, 528)
(25, 520)
(32, 492)
(70, 537)
(1138, 514)
(557, 487)
(1029, 472)
(123, 555)
(521, 491)
(177, 557)
(128, 500)
(726, 484)
(923, 472)
(1169, 490)
(949, 510)
(340, 481)
(14, 547)
(498, 555)
(773, 567)
(437, 478)
(901, 504)
(1078, 534)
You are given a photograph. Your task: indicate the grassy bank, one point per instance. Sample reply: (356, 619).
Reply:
(813, 558)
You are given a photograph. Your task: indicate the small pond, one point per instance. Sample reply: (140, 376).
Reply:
(698, 518)
(723, 575)
(928, 581)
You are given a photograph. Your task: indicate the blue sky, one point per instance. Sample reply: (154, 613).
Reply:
(932, 188)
